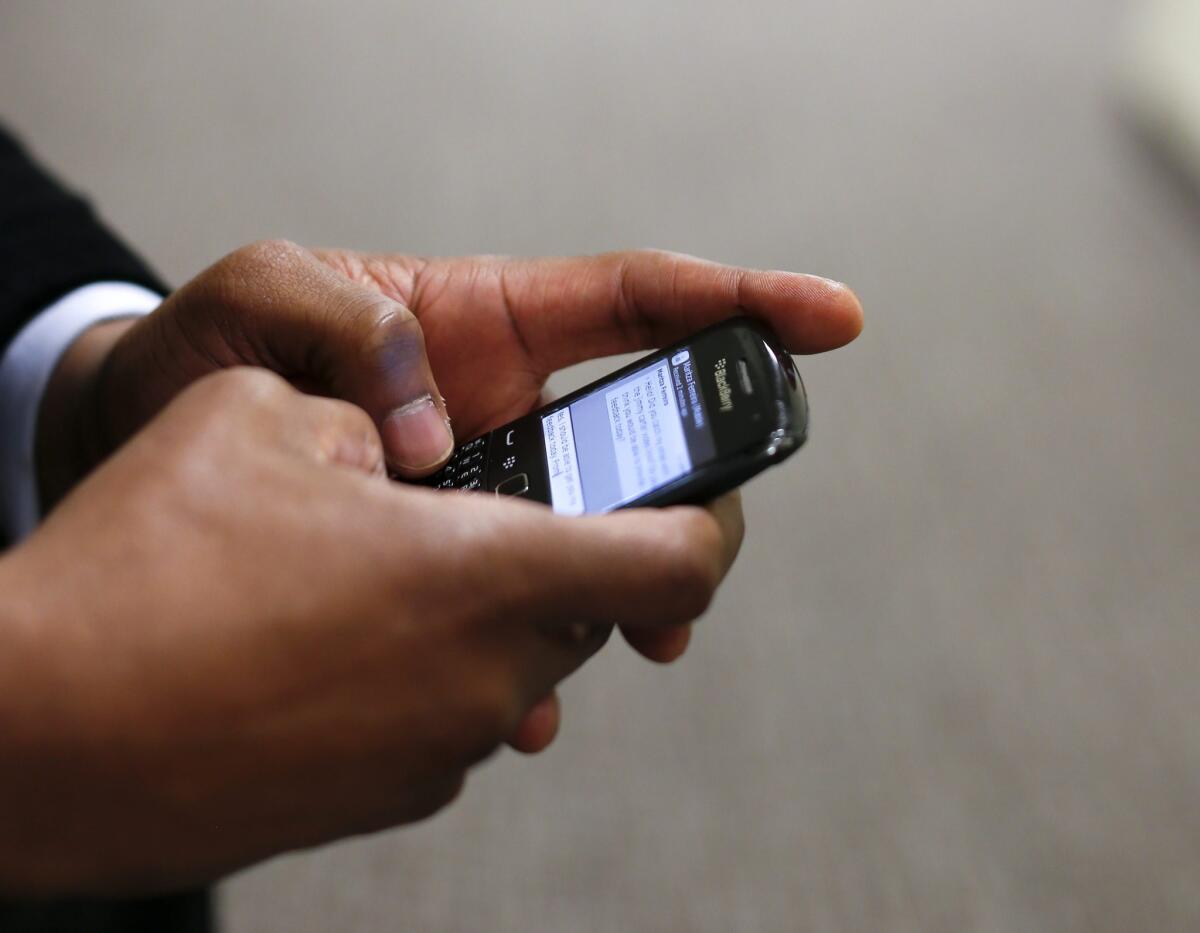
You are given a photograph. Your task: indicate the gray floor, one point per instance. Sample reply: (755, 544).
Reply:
(953, 682)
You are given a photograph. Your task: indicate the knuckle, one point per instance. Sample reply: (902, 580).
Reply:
(346, 416)
(491, 714)
(342, 432)
(212, 414)
(381, 313)
(402, 796)
(692, 564)
(438, 795)
(385, 329)
(248, 386)
(248, 280)
(262, 255)
(664, 261)
(661, 254)
(357, 423)
(239, 387)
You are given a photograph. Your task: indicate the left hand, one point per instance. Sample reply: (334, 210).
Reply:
(375, 329)
(496, 328)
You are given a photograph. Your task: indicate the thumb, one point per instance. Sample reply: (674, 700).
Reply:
(372, 352)
(330, 335)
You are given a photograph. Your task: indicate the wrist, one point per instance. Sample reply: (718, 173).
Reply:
(71, 437)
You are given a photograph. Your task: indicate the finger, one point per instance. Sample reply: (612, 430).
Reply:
(640, 567)
(343, 434)
(539, 727)
(322, 429)
(548, 652)
(664, 645)
(727, 510)
(323, 330)
(570, 310)
(661, 645)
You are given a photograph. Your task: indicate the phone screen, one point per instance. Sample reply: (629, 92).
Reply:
(627, 438)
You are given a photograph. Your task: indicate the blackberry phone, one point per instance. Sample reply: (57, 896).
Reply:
(684, 424)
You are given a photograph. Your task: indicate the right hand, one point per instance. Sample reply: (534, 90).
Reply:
(237, 638)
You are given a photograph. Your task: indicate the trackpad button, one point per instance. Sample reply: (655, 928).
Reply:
(516, 485)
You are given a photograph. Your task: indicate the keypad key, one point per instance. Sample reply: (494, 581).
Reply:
(465, 468)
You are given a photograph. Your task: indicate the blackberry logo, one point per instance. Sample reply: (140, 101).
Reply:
(724, 393)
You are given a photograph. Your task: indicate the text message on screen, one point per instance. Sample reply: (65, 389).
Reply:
(647, 435)
(558, 434)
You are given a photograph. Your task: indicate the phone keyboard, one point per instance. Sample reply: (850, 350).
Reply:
(466, 468)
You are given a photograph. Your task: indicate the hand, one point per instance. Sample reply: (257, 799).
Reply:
(373, 329)
(236, 637)
(496, 328)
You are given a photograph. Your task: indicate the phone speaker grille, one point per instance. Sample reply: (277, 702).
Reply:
(743, 371)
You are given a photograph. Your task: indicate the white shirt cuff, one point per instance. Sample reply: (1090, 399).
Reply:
(25, 370)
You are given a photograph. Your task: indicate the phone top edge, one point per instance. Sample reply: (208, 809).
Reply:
(788, 386)
(775, 359)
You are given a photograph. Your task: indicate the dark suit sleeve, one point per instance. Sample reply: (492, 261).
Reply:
(171, 913)
(51, 242)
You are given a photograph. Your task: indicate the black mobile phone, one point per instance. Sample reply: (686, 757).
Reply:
(684, 424)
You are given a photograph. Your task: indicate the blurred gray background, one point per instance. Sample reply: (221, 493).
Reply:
(952, 683)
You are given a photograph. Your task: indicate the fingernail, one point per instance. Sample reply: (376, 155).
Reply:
(416, 436)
